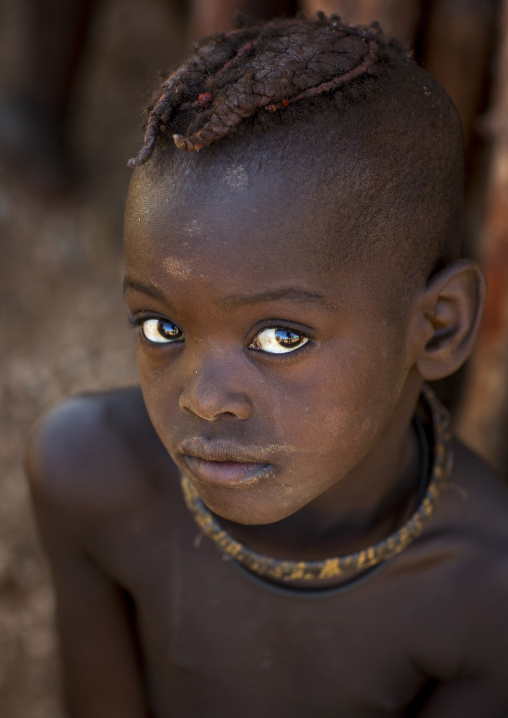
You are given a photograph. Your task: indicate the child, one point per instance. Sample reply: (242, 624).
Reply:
(294, 283)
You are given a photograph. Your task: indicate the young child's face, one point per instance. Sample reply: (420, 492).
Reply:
(271, 362)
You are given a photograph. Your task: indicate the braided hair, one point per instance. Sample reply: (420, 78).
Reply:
(261, 68)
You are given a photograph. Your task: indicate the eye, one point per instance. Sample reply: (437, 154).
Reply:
(161, 331)
(275, 340)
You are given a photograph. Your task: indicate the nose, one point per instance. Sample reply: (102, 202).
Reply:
(213, 389)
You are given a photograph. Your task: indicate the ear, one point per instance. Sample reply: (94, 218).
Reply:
(450, 311)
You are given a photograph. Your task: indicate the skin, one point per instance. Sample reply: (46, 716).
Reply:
(307, 454)
(223, 397)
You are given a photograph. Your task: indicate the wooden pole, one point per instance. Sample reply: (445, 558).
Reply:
(482, 422)
(458, 39)
(398, 18)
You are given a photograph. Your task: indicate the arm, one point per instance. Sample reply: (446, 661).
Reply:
(100, 667)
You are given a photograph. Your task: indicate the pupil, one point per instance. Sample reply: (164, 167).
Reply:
(168, 330)
(287, 339)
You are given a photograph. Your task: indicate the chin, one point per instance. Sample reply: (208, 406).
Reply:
(248, 515)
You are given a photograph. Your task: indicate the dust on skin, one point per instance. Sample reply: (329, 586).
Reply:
(177, 268)
(194, 444)
(194, 227)
(237, 178)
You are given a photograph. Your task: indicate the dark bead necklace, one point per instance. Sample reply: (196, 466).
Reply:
(326, 569)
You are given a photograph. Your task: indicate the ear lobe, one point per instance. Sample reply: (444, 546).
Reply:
(451, 303)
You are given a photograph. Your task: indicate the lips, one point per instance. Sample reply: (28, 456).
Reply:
(226, 474)
(223, 465)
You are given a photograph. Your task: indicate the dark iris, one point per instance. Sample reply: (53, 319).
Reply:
(168, 330)
(287, 338)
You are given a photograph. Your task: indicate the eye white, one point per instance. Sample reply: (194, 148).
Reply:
(161, 331)
(274, 340)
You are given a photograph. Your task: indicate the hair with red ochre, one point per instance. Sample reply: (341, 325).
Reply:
(261, 68)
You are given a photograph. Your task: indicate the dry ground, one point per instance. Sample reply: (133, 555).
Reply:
(63, 323)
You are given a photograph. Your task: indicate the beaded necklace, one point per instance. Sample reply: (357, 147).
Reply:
(280, 569)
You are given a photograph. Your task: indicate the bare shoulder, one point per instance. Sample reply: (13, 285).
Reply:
(465, 550)
(470, 526)
(475, 501)
(93, 465)
(452, 589)
(95, 454)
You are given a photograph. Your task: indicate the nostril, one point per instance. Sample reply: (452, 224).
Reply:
(213, 404)
(186, 409)
(214, 390)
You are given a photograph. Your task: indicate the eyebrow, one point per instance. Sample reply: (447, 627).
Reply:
(292, 294)
(149, 289)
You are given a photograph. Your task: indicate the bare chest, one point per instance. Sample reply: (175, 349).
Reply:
(216, 644)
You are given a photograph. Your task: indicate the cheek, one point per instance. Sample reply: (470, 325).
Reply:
(329, 409)
(159, 394)
(340, 408)
(152, 372)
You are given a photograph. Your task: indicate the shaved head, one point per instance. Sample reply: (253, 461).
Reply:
(381, 165)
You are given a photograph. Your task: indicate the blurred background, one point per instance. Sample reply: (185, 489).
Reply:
(74, 75)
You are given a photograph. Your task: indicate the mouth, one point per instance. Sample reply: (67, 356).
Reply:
(223, 466)
(226, 474)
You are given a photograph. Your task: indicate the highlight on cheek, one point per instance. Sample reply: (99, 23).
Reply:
(275, 340)
(161, 331)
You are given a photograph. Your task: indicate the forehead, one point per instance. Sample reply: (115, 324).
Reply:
(214, 245)
(269, 203)
(336, 194)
